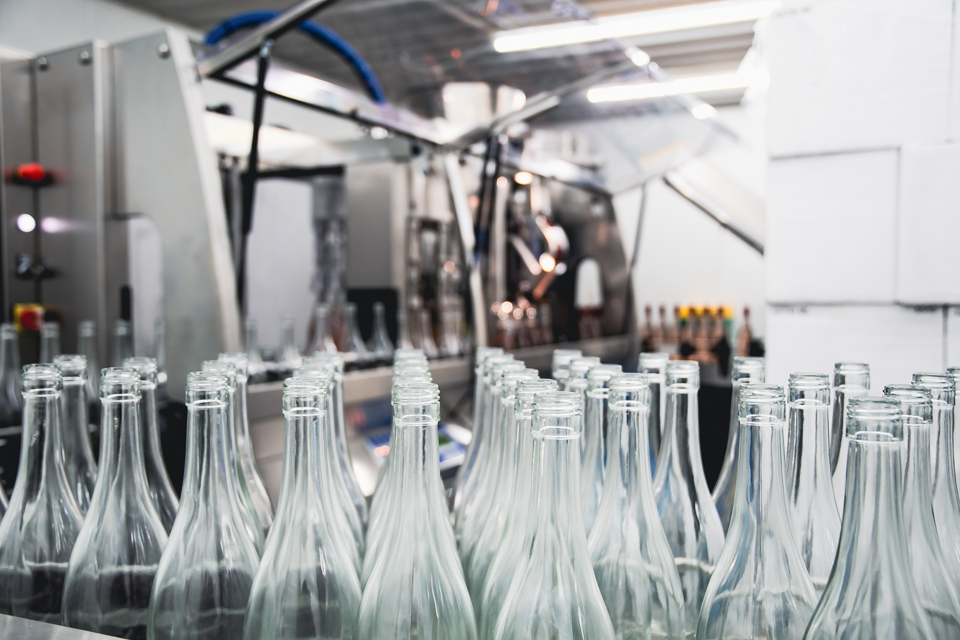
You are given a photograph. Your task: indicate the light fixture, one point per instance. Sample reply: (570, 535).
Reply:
(547, 262)
(634, 24)
(646, 90)
(502, 182)
(506, 306)
(26, 222)
(638, 56)
(703, 111)
(523, 177)
(378, 133)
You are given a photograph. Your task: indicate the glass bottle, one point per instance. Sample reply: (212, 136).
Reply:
(946, 500)
(203, 583)
(158, 480)
(356, 352)
(49, 341)
(289, 358)
(256, 529)
(404, 336)
(595, 424)
(816, 519)
(78, 462)
(871, 593)
(305, 586)
(479, 396)
(122, 342)
(631, 559)
(554, 592)
(87, 347)
(248, 463)
(42, 521)
(655, 366)
(427, 343)
(924, 553)
(256, 369)
(687, 512)
(340, 430)
(850, 380)
(11, 398)
(519, 526)
(471, 516)
(160, 355)
(745, 370)
(115, 559)
(323, 331)
(560, 366)
(489, 527)
(415, 590)
(380, 344)
(760, 587)
(449, 332)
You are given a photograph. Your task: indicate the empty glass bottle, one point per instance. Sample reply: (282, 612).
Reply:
(449, 332)
(256, 369)
(560, 369)
(115, 559)
(760, 587)
(554, 593)
(520, 525)
(745, 370)
(816, 520)
(595, 421)
(489, 527)
(687, 512)
(628, 549)
(49, 341)
(871, 592)
(122, 342)
(79, 465)
(160, 355)
(42, 522)
(87, 347)
(203, 582)
(655, 366)
(427, 343)
(323, 331)
(380, 344)
(248, 463)
(925, 556)
(850, 380)
(305, 587)
(289, 358)
(479, 405)
(11, 399)
(404, 335)
(946, 501)
(356, 352)
(256, 529)
(416, 590)
(158, 481)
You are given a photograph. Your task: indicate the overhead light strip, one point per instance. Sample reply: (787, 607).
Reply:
(647, 90)
(634, 24)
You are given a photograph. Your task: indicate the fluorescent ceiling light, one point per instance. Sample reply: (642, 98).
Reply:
(701, 84)
(634, 24)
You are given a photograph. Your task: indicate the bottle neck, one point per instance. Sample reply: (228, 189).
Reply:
(419, 457)
(808, 458)
(121, 452)
(41, 456)
(682, 432)
(73, 404)
(558, 486)
(150, 431)
(628, 470)
(760, 504)
(10, 372)
(945, 470)
(241, 419)
(206, 480)
(303, 467)
(918, 477)
(508, 437)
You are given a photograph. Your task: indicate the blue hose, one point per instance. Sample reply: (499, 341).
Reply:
(318, 32)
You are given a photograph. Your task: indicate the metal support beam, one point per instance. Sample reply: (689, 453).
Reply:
(697, 199)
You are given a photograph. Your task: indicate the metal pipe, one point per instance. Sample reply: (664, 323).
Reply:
(698, 200)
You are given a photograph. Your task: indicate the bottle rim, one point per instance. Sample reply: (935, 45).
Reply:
(851, 367)
(71, 365)
(510, 379)
(528, 390)
(119, 384)
(416, 393)
(873, 418)
(809, 381)
(42, 380)
(938, 381)
(558, 404)
(603, 372)
(629, 382)
(147, 368)
(579, 367)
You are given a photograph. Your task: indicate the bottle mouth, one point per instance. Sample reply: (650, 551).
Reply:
(303, 397)
(761, 403)
(146, 367)
(683, 376)
(322, 380)
(603, 372)
(528, 390)
(511, 379)
(851, 374)
(8, 330)
(239, 360)
(562, 358)
(42, 380)
(657, 361)
(224, 369)
(206, 389)
(557, 404)
(580, 366)
(875, 419)
(938, 381)
(119, 384)
(748, 367)
(72, 366)
(415, 393)
(916, 402)
(809, 381)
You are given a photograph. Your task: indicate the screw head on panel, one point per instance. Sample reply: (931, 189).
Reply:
(163, 50)
(85, 57)
(42, 63)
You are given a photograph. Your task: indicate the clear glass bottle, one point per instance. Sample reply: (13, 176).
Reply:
(158, 480)
(745, 371)
(289, 355)
(87, 347)
(554, 592)
(78, 462)
(560, 365)
(427, 343)
(760, 587)
(323, 331)
(248, 463)
(203, 583)
(471, 516)
(519, 526)
(49, 341)
(816, 519)
(415, 590)
(340, 429)
(305, 586)
(356, 352)
(687, 512)
(11, 398)
(490, 527)
(631, 559)
(946, 499)
(925, 555)
(160, 355)
(595, 425)
(850, 380)
(871, 593)
(42, 522)
(380, 344)
(404, 335)
(655, 366)
(256, 369)
(115, 559)
(122, 342)
(256, 529)
(479, 395)
(450, 323)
